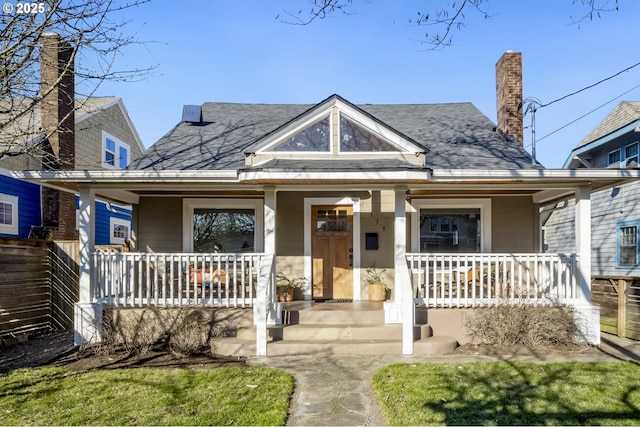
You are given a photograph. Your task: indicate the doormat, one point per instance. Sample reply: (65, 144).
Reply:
(333, 300)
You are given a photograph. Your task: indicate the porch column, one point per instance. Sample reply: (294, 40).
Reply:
(88, 309)
(266, 310)
(587, 314)
(583, 243)
(401, 277)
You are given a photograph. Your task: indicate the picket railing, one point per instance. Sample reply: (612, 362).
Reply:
(476, 280)
(135, 279)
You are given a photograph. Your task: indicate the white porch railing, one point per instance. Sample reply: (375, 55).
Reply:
(476, 280)
(133, 279)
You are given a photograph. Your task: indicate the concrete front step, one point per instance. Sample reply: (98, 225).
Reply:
(309, 332)
(246, 348)
(332, 317)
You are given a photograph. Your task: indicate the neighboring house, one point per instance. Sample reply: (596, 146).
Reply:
(615, 215)
(63, 133)
(105, 138)
(435, 194)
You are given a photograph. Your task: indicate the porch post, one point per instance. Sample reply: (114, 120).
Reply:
(587, 314)
(266, 310)
(401, 280)
(583, 243)
(88, 309)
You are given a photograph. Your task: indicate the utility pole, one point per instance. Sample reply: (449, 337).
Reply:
(532, 106)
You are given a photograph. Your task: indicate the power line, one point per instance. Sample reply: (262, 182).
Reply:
(584, 115)
(589, 87)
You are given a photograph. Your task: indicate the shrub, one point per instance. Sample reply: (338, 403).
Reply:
(532, 326)
(183, 331)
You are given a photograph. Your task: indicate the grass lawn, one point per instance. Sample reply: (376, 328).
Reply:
(222, 396)
(519, 393)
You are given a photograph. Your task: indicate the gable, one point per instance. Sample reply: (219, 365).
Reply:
(335, 128)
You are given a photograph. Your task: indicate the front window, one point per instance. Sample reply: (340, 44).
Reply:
(116, 154)
(223, 230)
(627, 240)
(450, 230)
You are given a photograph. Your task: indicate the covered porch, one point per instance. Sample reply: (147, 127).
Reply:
(503, 269)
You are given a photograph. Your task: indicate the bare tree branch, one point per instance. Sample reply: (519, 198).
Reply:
(96, 38)
(594, 9)
(444, 20)
(320, 9)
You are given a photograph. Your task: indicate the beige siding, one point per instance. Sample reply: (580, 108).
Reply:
(89, 137)
(159, 224)
(21, 162)
(514, 225)
(376, 216)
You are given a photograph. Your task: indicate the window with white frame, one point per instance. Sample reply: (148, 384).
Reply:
(116, 154)
(627, 244)
(451, 225)
(8, 214)
(613, 159)
(119, 230)
(631, 155)
(223, 226)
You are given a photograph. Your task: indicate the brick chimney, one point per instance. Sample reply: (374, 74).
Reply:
(509, 95)
(58, 120)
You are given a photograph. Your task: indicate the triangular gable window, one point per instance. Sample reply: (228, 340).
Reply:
(356, 138)
(313, 138)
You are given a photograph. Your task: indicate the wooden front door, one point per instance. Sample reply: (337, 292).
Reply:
(332, 251)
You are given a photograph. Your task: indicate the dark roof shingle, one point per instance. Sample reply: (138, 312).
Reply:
(456, 136)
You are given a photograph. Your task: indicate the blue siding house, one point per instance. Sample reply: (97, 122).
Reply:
(20, 206)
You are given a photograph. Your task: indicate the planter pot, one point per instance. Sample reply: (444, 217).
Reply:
(376, 292)
(285, 296)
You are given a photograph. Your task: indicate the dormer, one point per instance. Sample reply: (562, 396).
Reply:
(335, 129)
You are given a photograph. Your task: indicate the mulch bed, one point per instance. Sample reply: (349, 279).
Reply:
(57, 349)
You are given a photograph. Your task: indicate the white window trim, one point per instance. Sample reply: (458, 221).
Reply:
(119, 143)
(118, 221)
(189, 205)
(13, 201)
(348, 201)
(485, 218)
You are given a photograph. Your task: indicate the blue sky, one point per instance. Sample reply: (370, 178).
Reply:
(236, 51)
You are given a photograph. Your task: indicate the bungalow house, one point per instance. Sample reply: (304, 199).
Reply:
(436, 195)
(102, 137)
(613, 144)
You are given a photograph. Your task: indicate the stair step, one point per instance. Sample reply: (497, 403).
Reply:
(310, 332)
(292, 317)
(247, 348)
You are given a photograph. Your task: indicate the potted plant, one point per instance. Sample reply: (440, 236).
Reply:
(286, 285)
(378, 288)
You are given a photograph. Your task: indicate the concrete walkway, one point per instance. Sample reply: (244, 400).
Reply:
(336, 389)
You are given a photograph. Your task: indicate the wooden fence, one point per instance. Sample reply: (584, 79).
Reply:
(619, 300)
(38, 286)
